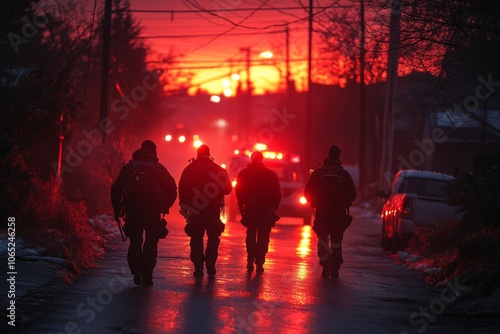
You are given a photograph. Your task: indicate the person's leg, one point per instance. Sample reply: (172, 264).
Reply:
(251, 246)
(324, 253)
(196, 255)
(149, 254)
(212, 250)
(211, 253)
(262, 246)
(336, 250)
(134, 254)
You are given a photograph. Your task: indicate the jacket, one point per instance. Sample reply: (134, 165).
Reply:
(311, 188)
(165, 197)
(257, 189)
(202, 187)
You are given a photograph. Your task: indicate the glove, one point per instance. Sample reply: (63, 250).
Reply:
(242, 210)
(244, 220)
(119, 212)
(188, 229)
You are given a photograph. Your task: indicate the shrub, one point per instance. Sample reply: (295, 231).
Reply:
(478, 194)
(472, 243)
(456, 248)
(49, 221)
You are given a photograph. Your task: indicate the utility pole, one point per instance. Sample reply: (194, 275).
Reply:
(392, 75)
(308, 139)
(362, 105)
(247, 109)
(287, 31)
(106, 37)
(288, 86)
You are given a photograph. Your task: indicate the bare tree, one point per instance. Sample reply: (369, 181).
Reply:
(339, 31)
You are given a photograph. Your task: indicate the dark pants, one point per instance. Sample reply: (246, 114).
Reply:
(212, 227)
(141, 256)
(330, 249)
(330, 231)
(257, 242)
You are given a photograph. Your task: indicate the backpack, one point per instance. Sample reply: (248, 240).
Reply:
(142, 188)
(331, 187)
(205, 191)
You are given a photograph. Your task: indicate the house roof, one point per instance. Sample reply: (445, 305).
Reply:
(460, 126)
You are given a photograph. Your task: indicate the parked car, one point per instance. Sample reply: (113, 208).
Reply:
(288, 169)
(416, 198)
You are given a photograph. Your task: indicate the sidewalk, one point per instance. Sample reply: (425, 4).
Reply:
(37, 280)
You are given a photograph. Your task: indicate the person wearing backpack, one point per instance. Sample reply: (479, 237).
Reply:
(330, 191)
(259, 195)
(202, 187)
(142, 192)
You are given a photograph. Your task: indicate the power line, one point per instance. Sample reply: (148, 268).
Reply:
(208, 35)
(261, 7)
(235, 64)
(230, 29)
(189, 11)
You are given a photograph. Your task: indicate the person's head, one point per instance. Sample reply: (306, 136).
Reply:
(148, 145)
(257, 157)
(203, 151)
(334, 152)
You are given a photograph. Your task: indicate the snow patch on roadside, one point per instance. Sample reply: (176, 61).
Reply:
(104, 224)
(416, 262)
(21, 250)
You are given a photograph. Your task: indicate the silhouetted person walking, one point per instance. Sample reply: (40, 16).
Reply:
(143, 190)
(330, 191)
(202, 187)
(259, 195)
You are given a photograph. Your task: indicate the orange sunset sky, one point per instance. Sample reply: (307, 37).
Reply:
(210, 38)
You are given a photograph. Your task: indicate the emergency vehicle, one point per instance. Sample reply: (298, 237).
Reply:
(289, 171)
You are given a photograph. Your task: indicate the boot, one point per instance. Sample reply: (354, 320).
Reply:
(211, 270)
(147, 280)
(334, 273)
(250, 262)
(137, 279)
(198, 271)
(326, 271)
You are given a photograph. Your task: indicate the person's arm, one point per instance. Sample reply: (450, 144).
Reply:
(117, 190)
(240, 191)
(351, 189)
(167, 184)
(310, 188)
(184, 186)
(275, 191)
(227, 188)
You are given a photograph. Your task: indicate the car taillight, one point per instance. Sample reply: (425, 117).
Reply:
(303, 200)
(406, 207)
(233, 183)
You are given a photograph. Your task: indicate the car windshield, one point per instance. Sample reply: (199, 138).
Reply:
(425, 187)
(287, 172)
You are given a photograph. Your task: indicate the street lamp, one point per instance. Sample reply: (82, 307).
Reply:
(266, 54)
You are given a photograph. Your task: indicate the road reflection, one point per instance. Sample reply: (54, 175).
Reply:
(304, 247)
(283, 299)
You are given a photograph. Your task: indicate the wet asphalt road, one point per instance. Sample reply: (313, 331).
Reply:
(372, 295)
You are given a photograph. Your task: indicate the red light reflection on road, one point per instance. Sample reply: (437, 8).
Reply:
(163, 313)
(304, 247)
